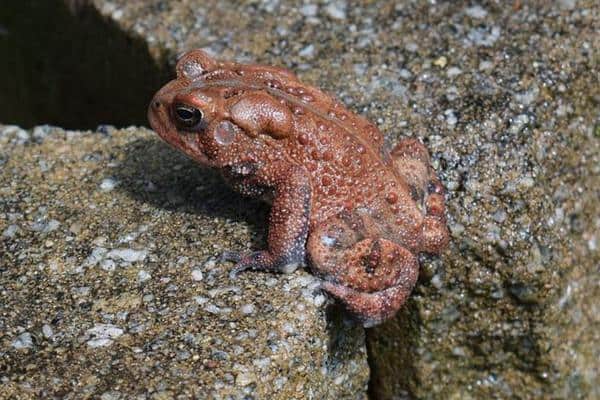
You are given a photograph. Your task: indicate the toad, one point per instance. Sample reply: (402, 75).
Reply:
(343, 204)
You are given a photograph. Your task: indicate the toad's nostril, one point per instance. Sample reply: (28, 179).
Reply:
(156, 104)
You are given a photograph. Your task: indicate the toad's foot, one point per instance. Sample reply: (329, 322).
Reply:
(372, 308)
(260, 261)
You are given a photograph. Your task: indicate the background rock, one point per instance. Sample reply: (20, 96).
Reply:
(506, 97)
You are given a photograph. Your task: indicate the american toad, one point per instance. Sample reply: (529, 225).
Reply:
(355, 212)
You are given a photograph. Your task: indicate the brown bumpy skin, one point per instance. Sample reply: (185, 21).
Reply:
(357, 213)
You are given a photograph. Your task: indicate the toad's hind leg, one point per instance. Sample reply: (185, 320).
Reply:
(371, 277)
(411, 160)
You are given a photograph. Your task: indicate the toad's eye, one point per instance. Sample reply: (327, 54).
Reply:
(187, 116)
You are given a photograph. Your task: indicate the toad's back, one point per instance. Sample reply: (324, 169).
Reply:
(343, 152)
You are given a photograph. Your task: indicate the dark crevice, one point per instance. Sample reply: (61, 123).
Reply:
(390, 352)
(68, 66)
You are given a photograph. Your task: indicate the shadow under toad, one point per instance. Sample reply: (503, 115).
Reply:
(155, 174)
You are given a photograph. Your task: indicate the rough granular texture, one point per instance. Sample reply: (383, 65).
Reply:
(506, 96)
(508, 100)
(110, 287)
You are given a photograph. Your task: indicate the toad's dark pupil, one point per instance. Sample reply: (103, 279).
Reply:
(188, 116)
(184, 114)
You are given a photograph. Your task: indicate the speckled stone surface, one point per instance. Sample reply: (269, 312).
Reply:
(110, 288)
(506, 97)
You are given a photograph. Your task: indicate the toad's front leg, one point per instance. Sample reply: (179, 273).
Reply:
(288, 222)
